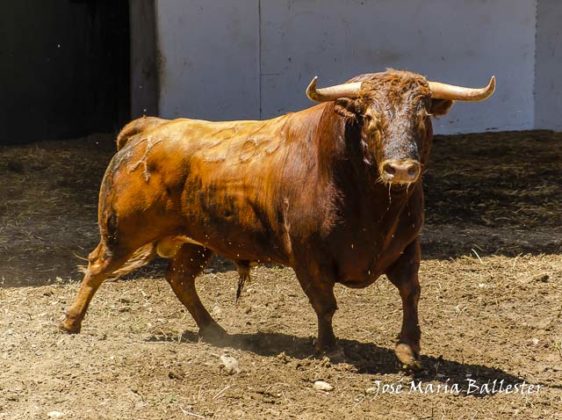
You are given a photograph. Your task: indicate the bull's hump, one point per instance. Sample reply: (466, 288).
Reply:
(232, 141)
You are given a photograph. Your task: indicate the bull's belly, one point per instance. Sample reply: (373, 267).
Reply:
(242, 249)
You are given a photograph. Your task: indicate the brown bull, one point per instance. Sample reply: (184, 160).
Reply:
(333, 191)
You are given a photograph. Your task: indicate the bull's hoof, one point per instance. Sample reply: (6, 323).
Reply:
(213, 333)
(335, 354)
(408, 357)
(331, 350)
(70, 327)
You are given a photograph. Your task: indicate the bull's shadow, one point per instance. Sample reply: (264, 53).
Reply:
(366, 358)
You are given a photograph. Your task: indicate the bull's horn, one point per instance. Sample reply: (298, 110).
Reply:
(459, 93)
(346, 90)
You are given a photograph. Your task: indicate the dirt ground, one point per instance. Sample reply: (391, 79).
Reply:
(491, 307)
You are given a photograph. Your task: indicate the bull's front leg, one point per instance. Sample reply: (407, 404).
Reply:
(319, 287)
(404, 275)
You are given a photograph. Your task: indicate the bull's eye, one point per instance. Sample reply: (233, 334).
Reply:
(371, 122)
(421, 121)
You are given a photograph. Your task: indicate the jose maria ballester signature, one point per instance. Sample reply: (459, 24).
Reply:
(467, 387)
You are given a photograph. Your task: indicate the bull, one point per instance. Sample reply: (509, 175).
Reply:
(333, 191)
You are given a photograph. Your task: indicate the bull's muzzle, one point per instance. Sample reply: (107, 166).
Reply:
(400, 171)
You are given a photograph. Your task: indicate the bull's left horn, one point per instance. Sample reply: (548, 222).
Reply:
(459, 93)
(346, 90)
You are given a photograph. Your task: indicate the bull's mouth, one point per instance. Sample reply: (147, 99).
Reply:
(400, 172)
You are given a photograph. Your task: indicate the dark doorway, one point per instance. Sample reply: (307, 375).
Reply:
(64, 68)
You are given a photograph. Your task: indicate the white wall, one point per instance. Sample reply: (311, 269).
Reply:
(548, 74)
(209, 53)
(225, 59)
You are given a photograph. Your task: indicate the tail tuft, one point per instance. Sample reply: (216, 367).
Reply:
(243, 268)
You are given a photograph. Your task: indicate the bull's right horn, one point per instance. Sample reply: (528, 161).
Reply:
(346, 90)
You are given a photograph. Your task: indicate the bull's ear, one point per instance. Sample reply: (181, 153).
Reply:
(348, 108)
(440, 107)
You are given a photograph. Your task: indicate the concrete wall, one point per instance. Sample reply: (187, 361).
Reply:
(209, 53)
(338, 39)
(225, 59)
(548, 71)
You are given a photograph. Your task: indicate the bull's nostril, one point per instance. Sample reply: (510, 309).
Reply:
(413, 171)
(389, 169)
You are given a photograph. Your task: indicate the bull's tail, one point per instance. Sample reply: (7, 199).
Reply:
(141, 257)
(135, 127)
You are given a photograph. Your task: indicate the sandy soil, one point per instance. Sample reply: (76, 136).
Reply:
(491, 305)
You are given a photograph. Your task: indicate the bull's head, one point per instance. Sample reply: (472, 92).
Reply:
(394, 112)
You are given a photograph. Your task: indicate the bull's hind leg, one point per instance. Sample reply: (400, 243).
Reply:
(101, 264)
(188, 262)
